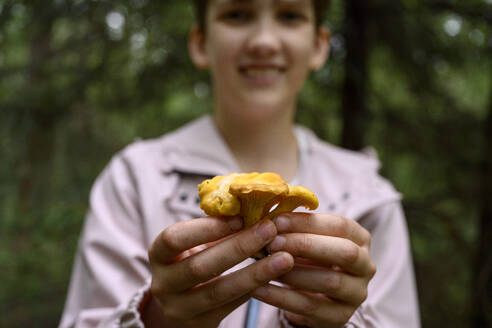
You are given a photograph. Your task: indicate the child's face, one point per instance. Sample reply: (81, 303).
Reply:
(259, 52)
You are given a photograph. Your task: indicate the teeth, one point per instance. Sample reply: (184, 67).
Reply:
(270, 72)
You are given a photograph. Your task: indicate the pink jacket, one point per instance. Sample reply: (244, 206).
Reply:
(152, 184)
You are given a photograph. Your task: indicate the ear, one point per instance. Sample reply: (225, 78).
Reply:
(197, 48)
(322, 48)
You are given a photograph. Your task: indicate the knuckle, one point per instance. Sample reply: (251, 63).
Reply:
(371, 266)
(240, 249)
(157, 288)
(160, 286)
(350, 253)
(170, 239)
(372, 269)
(213, 294)
(304, 244)
(340, 226)
(309, 307)
(197, 270)
(333, 282)
(304, 219)
(260, 275)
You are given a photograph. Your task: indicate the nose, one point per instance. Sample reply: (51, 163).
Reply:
(264, 39)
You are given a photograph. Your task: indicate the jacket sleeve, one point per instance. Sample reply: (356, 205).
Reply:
(392, 296)
(111, 267)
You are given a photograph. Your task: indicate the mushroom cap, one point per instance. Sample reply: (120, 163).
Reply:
(258, 193)
(297, 196)
(215, 198)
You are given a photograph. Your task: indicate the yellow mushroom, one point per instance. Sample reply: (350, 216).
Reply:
(215, 198)
(297, 196)
(257, 194)
(252, 196)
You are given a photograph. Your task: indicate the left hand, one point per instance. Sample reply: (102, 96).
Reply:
(332, 271)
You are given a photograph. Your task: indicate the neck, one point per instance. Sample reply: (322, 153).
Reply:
(261, 146)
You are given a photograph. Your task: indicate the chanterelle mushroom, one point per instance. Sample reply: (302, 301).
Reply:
(252, 196)
(297, 196)
(258, 193)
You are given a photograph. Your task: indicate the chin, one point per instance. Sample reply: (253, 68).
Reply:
(262, 111)
(267, 103)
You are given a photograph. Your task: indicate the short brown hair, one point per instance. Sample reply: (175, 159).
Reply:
(200, 6)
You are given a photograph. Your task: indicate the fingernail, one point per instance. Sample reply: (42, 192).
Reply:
(277, 244)
(282, 223)
(261, 292)
(235, 223)
(266, 230)
(279, 263)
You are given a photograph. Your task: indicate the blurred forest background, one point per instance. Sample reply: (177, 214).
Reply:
(81, 79)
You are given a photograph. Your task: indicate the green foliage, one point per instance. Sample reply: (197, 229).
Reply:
(81, 79)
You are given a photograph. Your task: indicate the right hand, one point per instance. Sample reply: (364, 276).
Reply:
(187, 259)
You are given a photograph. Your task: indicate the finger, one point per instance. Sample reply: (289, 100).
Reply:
(304, 321)
(227, 288)
(326, 250)
(302, 303)
(222, 312)
(210, 318)
(197, 249)
(323, 224)
(336, 285)
(212, 261)
(301, 320)
(187, 234)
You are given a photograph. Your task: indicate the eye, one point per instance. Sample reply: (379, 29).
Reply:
(237, 15)
(291, 16)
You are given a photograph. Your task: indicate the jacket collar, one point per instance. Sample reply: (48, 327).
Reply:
(198, 148)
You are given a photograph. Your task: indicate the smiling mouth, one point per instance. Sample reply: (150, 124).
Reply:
(262, 75)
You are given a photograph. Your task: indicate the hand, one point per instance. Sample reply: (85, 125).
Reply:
(333, 268)
(187, 259)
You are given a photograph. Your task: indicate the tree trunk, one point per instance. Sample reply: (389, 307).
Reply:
(482, 284)
(354, 108)
(41, 111)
